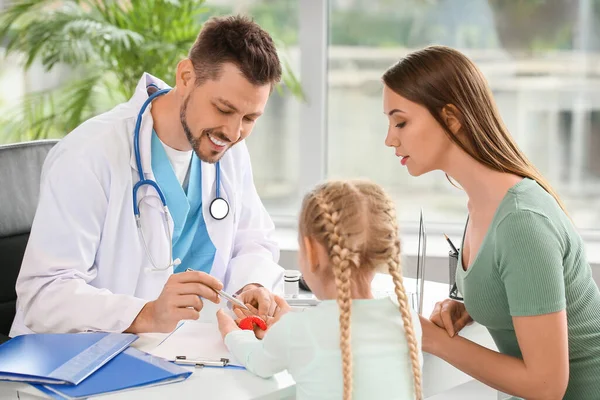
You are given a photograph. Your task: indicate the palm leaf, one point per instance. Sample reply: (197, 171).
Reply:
(290, 81)
(52, 113)
(110, 42)
(67, 34)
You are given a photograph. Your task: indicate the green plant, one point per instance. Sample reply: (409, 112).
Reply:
(106, 46)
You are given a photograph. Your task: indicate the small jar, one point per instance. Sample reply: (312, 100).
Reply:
(291, 278)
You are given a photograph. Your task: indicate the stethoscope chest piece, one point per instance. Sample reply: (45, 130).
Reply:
(219, 208)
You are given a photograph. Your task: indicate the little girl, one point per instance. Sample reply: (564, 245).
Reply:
(348, 231)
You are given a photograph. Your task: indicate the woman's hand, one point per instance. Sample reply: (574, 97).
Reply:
(450, 315)
(434, 337)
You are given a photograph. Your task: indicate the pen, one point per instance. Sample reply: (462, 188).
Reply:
(227, 296)
(232, 299)
(451, 244)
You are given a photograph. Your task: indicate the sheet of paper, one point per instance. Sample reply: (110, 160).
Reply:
(195, 339)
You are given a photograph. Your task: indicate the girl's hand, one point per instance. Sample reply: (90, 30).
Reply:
(226, 323)
(281, 309)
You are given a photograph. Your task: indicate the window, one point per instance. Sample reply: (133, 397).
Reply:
(541, 58)
(274, 142)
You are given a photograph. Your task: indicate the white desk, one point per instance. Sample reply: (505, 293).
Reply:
(438, 376)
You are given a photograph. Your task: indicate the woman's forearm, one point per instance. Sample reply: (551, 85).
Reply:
(499, 371)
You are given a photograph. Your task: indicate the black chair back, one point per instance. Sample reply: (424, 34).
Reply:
(20, 170)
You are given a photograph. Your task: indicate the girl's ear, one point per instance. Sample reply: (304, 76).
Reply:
(316, 254)
(311, 254)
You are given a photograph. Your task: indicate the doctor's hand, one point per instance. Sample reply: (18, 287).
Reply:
(179, 300)
(450, 315)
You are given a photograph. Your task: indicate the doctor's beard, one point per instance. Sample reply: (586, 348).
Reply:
(195, 142)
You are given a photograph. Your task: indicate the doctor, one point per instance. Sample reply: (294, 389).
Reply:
(105, 254)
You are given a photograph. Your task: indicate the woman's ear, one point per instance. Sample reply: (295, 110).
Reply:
(451, 117)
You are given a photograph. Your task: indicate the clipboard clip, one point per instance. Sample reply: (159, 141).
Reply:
(199, 362)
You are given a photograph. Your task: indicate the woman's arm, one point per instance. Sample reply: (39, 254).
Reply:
(528, 254)
(542, 374)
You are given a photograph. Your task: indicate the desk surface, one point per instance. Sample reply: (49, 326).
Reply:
(438, 376)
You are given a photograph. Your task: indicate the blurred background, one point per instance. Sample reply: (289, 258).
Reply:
(541, 58)
(63, 61)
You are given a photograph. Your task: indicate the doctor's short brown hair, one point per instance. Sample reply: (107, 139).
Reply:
(240, 41)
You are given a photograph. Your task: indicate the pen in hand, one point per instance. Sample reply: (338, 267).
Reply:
(227, 296)
(232, 299)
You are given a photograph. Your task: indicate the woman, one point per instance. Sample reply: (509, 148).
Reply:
(522, 268)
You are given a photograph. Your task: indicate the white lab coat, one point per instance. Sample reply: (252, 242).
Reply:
(85, 267)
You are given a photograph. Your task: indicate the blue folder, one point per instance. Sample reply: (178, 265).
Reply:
(129, 370)
(66, 358)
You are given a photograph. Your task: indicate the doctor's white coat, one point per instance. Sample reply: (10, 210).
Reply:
(85, 267)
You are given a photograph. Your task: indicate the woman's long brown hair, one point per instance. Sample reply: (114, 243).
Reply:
(438, 76)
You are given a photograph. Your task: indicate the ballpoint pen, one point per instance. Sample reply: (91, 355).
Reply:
(232, 299)
(227, 296)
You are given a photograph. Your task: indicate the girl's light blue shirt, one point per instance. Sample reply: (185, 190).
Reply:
(307, 344)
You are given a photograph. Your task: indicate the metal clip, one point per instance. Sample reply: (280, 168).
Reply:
(199, 362)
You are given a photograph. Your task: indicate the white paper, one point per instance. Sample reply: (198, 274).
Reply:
(195, 340)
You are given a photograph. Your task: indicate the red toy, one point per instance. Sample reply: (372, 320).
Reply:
(249, 322)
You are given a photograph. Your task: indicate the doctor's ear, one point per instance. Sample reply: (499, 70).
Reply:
(186, 75)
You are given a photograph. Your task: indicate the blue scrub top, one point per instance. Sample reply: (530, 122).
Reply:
(191, 242)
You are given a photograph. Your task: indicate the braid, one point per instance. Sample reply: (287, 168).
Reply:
(395, 272)
(342, 260)
(342, 281)
(356, 223)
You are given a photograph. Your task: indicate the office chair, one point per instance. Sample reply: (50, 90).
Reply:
(20, 170)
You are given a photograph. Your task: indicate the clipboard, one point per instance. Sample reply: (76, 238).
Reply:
(196, 344)
(204, 362)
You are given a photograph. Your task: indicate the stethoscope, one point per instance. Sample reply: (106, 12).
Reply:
(219, 207)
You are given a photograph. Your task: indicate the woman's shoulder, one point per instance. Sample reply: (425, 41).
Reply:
(528, 208)
(531, 220)
(528, 196)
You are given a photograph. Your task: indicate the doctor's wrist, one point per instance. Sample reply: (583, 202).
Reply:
(143, 321)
